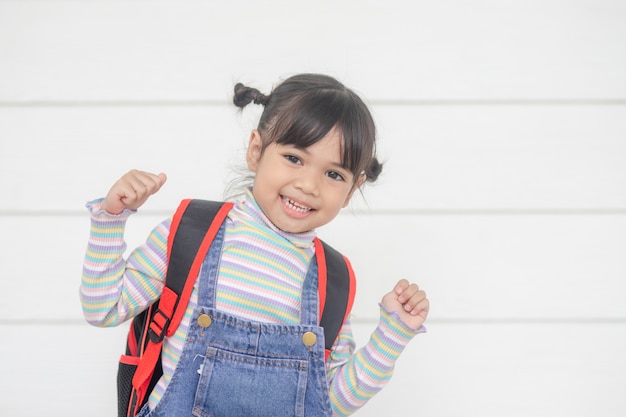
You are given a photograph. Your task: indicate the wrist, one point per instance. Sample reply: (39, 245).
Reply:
(97, 209)
(394, 324)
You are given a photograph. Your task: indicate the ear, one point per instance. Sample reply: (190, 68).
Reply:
(255, 149)
(355, 187)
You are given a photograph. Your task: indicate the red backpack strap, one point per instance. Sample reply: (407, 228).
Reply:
(196, 219)
(193, 228)
(336, 288)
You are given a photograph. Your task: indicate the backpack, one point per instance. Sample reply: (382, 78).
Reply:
(194, 226)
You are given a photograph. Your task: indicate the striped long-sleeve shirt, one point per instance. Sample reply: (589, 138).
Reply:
(260, 278)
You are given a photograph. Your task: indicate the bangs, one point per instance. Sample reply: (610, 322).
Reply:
(309, 117)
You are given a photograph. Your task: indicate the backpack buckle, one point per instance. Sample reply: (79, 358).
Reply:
(158, 326)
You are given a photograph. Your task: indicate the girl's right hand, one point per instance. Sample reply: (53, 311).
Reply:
(132, 190)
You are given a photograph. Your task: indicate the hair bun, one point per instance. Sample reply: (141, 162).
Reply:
(245, 95)
(373, 171)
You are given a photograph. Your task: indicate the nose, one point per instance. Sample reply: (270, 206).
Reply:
(308, 183)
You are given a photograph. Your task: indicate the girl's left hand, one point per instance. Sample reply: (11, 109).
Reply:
(409, 302)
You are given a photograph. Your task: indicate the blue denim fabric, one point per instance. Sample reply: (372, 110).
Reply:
(242, 368)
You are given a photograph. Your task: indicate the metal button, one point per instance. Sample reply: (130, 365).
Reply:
(204, 320)
(309, 338)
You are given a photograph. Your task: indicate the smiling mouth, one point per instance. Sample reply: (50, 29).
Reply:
(295, 206)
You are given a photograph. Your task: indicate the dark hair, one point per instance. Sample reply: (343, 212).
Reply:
(302, 109)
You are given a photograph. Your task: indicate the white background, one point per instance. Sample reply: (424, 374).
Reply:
(502, 125)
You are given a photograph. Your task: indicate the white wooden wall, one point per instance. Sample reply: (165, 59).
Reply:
(503, 127)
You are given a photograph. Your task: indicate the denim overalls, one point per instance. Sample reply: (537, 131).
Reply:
(230, 367)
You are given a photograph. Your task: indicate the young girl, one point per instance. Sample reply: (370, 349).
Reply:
(313, 148)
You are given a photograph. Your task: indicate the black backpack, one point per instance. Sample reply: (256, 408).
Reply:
(194, 226)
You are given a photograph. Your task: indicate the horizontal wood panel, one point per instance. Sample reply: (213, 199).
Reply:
(71, 368)
(488, 370)
(62, 157)
(517, 157)
(474, 268)
(102, 50)
(436, 158)
(491, 267)
(509, 370)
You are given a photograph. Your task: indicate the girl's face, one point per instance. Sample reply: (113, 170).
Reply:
(300, 189)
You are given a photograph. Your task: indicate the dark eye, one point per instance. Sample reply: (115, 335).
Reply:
(335, 175)
(294, 159)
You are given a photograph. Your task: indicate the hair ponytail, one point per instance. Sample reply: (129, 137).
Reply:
(373, 170)
(245, 95)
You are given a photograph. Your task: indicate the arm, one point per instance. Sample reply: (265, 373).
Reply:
(113, 289)
(355, 377)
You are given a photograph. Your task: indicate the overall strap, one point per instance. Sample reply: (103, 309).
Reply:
(193, 228)
(337, 287)
(199, 226)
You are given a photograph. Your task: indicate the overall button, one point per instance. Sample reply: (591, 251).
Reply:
(204, 320)
(309, 338)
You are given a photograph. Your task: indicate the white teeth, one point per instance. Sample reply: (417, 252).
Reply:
(294, 206)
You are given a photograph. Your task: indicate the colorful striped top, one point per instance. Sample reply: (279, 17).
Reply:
(260, 278)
